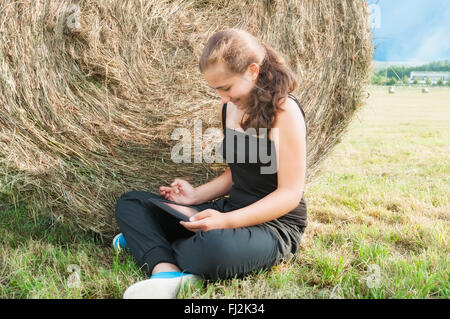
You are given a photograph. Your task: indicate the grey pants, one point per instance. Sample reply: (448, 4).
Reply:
(155, 236)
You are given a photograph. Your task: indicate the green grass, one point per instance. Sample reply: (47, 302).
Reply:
(378, 223)
(36, 258)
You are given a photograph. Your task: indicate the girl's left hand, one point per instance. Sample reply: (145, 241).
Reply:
(206, 220)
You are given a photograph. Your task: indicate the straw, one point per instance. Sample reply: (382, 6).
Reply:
(87, 113)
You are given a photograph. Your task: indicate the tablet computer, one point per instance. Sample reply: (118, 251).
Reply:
(179, 211)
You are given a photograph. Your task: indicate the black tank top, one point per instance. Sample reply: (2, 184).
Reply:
(252, 161)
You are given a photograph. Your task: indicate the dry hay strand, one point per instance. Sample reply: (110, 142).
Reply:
(87, 113)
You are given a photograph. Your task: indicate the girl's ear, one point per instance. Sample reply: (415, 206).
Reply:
(253, 69)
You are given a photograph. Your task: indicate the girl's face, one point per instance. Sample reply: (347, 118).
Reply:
(232, 87)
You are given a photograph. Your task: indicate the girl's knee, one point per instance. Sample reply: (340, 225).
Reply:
(130, 195)
(123, 202)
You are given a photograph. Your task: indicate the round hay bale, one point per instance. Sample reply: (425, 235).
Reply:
(425, 90)
(391, 90)
(90, 93)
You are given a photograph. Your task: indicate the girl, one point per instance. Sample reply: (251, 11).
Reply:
(262, 220)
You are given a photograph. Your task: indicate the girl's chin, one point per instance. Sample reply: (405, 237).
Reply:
(237, 103)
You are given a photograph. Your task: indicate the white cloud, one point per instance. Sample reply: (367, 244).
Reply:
(435, 45)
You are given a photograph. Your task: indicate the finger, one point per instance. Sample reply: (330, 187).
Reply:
(164, 189)
(199, 216)
(188, 226)
(178, 183)
(194, 224)
(176, 189)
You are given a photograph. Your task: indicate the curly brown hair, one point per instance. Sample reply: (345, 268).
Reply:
(237, 49)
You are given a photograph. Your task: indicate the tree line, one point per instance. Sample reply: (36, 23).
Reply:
(401, 74)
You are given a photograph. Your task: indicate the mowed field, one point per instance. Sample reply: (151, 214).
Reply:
(378, 223)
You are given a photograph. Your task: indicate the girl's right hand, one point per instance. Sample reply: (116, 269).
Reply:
(180, 192)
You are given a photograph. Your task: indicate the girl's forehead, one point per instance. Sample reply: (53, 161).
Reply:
(218, 75)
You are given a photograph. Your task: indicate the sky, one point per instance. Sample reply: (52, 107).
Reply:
(411, 30)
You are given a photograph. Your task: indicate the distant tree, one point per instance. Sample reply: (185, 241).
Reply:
(392, 81)
(376, 79)
(392, 70)
(405, 80)
(416, 80)
(448, 82)
(440, 82)
(427, 81)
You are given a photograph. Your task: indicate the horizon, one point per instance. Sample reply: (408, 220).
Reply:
(380, 65)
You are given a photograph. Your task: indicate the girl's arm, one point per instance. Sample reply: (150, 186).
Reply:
(272, 206)
(218, 187)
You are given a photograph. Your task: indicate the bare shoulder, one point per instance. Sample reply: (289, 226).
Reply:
(290, 115)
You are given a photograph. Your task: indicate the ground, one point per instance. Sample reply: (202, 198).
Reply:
(378, 222)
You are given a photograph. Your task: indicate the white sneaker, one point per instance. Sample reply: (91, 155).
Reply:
(160, 286)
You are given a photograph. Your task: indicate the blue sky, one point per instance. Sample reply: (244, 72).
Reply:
(412, 30)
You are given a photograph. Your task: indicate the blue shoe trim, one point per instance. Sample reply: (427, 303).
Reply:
(168, 274)
(120, 242)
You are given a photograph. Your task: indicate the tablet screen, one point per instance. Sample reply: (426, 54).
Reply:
(187, 211)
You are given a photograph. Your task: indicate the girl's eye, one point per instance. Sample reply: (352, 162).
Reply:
(227, 89)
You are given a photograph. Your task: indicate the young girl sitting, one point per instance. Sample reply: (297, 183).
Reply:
(262, 220)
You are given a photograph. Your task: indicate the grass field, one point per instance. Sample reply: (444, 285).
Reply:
(378, 223)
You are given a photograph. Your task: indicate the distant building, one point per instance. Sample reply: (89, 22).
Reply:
(434, 77)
